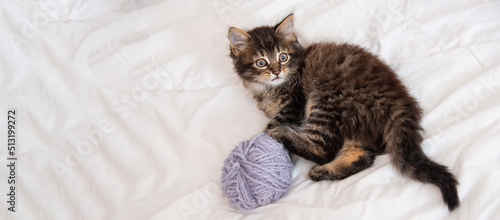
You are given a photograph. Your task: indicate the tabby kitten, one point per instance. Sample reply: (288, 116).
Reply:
(334, 104)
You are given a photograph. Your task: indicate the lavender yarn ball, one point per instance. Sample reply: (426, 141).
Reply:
(257, 172)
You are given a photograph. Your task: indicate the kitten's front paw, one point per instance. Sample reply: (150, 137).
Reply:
(321, 172)
(278, 132)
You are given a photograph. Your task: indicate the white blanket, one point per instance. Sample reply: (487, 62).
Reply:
(127, 109)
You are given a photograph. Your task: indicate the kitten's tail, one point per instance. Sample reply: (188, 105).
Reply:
(403, 145)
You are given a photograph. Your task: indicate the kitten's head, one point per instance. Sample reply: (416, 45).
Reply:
(266, 57)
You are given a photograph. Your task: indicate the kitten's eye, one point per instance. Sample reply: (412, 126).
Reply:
(283, 57)
(261, 63)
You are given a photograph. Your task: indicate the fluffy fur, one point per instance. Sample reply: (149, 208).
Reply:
(334, 104)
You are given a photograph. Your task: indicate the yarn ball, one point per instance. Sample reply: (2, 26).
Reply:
(257, 172)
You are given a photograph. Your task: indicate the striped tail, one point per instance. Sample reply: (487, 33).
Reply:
(403, 141)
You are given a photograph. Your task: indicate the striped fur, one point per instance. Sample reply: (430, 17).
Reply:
(335, 104)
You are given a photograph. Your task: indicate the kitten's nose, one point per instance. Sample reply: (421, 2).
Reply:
(276, 72)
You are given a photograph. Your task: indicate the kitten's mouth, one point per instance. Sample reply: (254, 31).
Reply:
(275, 78)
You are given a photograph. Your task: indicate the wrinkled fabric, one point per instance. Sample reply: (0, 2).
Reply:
(127, 109)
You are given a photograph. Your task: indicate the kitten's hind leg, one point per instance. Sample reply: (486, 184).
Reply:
(351, 158)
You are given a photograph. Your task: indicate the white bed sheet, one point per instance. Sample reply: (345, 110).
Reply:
(127, 109)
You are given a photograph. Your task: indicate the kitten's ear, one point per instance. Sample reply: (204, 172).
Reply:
(285, 28)
(239, 40)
